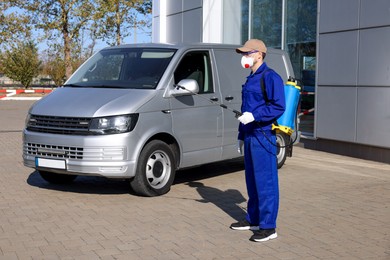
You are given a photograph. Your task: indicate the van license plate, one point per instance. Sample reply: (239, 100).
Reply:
(50, 163)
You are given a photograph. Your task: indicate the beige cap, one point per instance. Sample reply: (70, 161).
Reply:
(253, 45)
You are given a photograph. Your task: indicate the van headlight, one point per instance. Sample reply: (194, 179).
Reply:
(27, 121)
(113, 124)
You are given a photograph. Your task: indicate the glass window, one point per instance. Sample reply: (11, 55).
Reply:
(267, 22)
(264, 20)
(301, 28)
(245, 20)
(123, 68)
(301, 31)
(106, 68)
(196, 65)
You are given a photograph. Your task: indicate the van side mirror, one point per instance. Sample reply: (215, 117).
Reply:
(185, 87)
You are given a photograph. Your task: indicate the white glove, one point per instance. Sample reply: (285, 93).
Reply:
(246, 118)
(240, 146)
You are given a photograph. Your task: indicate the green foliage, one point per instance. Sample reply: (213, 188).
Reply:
(13, 26)
(115, 19)
(65, 22)
(54, 67)
(59, 19)
(21, 63)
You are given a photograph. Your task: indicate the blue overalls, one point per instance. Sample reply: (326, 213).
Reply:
(261, 172)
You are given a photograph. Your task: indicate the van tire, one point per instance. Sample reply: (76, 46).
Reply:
(56, 178)
(155, 170)
(282, 140)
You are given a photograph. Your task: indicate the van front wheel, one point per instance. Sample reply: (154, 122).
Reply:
(155, 171)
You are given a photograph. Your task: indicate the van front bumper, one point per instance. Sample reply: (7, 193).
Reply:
(106, 155)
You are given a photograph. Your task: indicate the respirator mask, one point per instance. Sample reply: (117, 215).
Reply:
(247, 62)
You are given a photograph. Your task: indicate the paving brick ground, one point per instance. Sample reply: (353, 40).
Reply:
(331, 207)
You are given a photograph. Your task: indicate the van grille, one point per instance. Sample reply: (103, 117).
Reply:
(73, 152)
(54, 151)
(59, 125)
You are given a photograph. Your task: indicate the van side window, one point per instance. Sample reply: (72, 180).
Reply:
(196, 65)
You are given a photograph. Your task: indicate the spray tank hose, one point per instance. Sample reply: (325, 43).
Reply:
(236, 112)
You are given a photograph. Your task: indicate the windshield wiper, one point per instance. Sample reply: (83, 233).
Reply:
(104, 86)
(91, 86)
(71, 85)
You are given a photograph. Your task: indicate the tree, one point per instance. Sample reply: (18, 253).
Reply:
(21, 63)
(13, 26)
(115, 18)
(59, 19)
(54, 63)
(65, 21)
(54, 67)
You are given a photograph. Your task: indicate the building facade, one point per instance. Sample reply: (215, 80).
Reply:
(339, 51)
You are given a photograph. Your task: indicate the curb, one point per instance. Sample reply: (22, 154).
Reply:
(8, 94)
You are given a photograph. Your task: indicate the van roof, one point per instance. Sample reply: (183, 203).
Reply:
(184, 46)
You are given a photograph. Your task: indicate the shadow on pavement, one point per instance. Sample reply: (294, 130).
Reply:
(83, 184)
(228, 201)
(101, 185)
(209, 171)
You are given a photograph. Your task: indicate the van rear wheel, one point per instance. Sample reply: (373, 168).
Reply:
(282, 140)
(56, 178)
(155, 170)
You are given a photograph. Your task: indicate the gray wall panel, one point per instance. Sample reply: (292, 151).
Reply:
(336, 113)
(192, 26)
(337, 58)
(353, 92)
(156, 8)
(174, 28)
(187, 5)
(374, 57)
(375, 13)
(373, 116)
(174, 6)
(336, 15)
(156, 29)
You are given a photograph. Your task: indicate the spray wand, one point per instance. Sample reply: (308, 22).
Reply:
(238, 113)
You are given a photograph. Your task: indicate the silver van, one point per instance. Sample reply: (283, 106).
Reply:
(122, 114)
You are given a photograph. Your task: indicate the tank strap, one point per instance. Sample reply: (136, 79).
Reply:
(263, 90)
(262, 85)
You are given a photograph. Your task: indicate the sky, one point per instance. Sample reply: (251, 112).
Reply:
(140, 36)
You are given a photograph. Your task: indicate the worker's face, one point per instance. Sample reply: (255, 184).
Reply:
(249, 59)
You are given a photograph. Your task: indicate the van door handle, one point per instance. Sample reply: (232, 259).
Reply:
(229, 98)
(215, 99)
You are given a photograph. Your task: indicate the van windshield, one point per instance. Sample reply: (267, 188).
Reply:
(140, 68)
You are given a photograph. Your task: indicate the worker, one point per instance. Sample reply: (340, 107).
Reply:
(257, 141)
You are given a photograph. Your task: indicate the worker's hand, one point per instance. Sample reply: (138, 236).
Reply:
(240, 146)
(246, 118)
